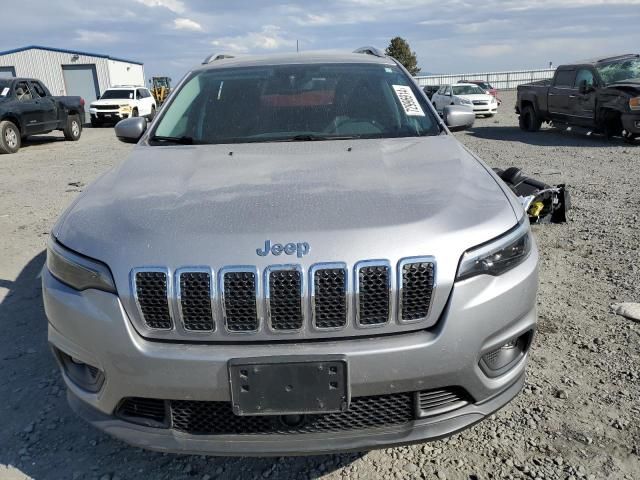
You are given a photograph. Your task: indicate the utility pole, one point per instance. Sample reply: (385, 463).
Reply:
(297, 46)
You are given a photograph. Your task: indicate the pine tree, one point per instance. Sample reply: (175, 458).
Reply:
(399, 49)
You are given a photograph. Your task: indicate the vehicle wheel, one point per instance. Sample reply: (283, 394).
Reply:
(73, 130)
(529, 121)
(611, 124)
(10, 140)
(134, 112)
(152, 115)
(630, 138)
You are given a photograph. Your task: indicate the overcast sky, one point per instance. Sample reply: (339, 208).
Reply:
(451, 36)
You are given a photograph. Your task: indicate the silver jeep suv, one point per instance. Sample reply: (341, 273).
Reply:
(297, 258)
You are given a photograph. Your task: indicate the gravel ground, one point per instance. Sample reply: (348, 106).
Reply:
(578, 416)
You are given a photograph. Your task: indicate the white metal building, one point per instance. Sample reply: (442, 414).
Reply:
(68, 72)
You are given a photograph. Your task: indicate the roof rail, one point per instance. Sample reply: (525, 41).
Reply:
(370, 51)
(213, 57)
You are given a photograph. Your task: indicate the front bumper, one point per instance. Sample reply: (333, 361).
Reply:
(631, 122)
(485, 109)
(482, 314)
(108, 115)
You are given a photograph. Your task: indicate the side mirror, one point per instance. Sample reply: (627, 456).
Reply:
(130, 130)
(458, 117)
(98, 97)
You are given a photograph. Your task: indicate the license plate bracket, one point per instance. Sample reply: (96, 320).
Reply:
(289, 385)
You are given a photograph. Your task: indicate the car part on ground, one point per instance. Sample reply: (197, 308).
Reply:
(239, 251)
(27, 108)
(543, 203)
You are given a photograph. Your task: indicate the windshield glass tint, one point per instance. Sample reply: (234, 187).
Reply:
(297, 102)
(467, 90)
(117, 94)
(619, 71)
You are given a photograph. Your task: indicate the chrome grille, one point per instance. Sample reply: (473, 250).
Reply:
(240, 306)
(329, 297)
(328, 300)
(194, 296)
(151, 290)
(373, 292)
(416, 288)
(284, 298)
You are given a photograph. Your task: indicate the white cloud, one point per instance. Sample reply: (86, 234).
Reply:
(176, 6)
(491, 50)
(92, 36)
(186, 24)
(270, 37)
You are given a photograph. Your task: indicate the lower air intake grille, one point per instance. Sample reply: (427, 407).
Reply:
(435, 402)
(285, 299)
(417, 286)
(195, 301)
(240, 301)
(151, 291)
(211, 418)
(146, 411)
(373, 299)
(330, 301)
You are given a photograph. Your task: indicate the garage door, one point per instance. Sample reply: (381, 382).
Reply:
(7, 72)
(82, 81)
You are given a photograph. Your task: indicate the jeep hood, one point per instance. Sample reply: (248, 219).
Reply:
(349, 200)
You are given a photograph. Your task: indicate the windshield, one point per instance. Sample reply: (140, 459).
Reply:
(467, 90)
(5, 88)
(620, 70)
(296, 103)
(117, 94)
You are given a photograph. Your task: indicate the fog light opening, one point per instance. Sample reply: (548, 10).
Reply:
(85, 376)
(499, 361)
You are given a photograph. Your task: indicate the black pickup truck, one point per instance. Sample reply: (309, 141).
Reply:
(601, 95)
(27, 108)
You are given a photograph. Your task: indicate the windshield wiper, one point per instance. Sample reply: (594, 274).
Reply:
(178, 140)
(309, 137)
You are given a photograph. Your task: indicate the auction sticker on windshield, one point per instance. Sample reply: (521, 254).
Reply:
(408, 100)
(5, 91)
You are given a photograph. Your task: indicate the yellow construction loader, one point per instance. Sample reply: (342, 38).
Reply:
(160, 88)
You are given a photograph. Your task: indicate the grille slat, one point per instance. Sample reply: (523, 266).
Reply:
(373, 294)
(285, 299)
(417, 289)
(195, 301)
(433, 402)
(241, 314)
(151, 290)
(330, 298)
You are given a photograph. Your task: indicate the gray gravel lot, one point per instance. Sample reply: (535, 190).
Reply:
(578, 416)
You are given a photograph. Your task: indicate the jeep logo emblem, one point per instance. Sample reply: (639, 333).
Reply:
(300, 249)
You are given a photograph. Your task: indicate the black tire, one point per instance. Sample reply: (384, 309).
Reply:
(611, 124)
(134, 112)
(529, 120)
(73, 130)
(10, 139)
(152, 115)
(631, 139)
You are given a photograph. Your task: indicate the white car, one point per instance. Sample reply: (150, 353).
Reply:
(466, 94)
(120, 102)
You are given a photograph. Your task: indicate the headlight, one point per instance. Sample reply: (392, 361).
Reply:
(77, 271)
(125, 107)
(493, 100)
(466, 101)
(498, 256)
(634, 103)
